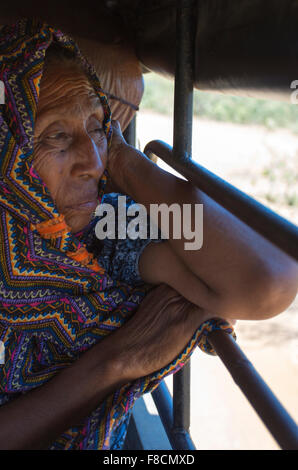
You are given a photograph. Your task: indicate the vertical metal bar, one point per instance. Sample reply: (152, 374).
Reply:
(183, 115)
(184, 73)
(179, 439)
(181, 399)
(130, 132)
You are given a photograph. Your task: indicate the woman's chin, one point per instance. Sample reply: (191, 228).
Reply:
(78, 221)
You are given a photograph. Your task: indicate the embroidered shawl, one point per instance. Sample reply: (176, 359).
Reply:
(55, 300)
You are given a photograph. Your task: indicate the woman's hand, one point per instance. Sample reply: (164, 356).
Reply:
(157, 333)
(117, 137)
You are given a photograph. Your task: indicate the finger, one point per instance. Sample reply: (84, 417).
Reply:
(161, 294)
(115, 124)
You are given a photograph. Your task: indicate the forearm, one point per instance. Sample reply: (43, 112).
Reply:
(36, 419)
(234, 261)
(227, 240)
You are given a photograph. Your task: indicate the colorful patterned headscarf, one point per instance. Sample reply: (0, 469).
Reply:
(55, 300)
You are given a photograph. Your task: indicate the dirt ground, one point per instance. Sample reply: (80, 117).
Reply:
(264, 164)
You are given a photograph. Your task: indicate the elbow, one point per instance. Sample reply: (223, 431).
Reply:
(260, 295)
(273, 292)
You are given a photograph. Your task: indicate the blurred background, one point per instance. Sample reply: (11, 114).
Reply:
(252, 144)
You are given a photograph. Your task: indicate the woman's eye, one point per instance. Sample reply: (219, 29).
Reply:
(57, 136)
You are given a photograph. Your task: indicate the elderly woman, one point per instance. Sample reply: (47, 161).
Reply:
(78, 350)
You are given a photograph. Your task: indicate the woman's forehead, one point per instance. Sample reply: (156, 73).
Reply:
(75, 109)
(78, 104)
(68, 91)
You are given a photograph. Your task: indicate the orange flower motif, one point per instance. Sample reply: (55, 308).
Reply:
(56, 227)
(87, 259)
(82, 255)
(52, 228)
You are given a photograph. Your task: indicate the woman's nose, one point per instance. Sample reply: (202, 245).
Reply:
(86, 158)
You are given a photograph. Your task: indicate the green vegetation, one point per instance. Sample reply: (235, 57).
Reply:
(282, 173)
(159, 96)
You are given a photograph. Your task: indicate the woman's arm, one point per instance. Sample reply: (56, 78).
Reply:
(37, 418)
(150, 340)
(238, 272)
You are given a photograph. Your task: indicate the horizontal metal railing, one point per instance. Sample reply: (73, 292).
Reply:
(270, 410)
(276, 419)
(273, 227)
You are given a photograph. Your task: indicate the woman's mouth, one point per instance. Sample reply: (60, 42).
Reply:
(84, 205)
(88, 204)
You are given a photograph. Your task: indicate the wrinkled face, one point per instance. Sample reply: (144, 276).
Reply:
(70, 146)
